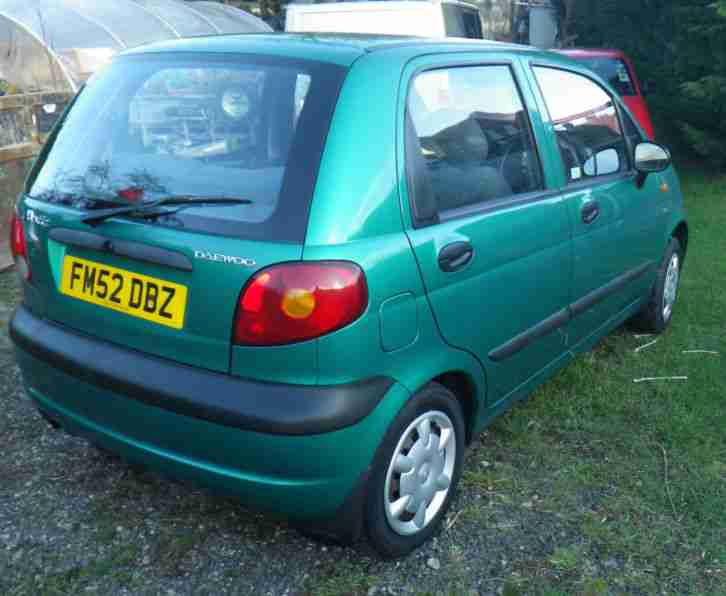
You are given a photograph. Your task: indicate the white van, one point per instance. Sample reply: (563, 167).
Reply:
(426, 18)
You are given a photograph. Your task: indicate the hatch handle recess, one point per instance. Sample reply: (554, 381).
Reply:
(122, 248)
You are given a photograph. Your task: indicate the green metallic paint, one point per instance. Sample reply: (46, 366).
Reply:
(295, 364)
(305, 475)
(469, 315)
(355, 195)
(356, 352)
(399, 322)
(212, 301)
(630, 215)
(360, 213)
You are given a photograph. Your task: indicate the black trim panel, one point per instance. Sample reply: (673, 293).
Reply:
(521, 341)
(121, 248)
(272, 408)
(591, 299)
(561, 318)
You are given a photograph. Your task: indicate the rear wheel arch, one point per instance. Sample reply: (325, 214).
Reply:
(464, 387)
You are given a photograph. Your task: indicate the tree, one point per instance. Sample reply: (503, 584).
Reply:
(680, 47)
(701, 59)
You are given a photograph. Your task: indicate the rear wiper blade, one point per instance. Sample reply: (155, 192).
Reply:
(149, 209)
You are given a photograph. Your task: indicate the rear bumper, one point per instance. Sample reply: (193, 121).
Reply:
(272, 408)
(300, 451)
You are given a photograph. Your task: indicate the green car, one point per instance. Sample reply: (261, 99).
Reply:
(307, 270)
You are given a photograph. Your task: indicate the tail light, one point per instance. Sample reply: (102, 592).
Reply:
(19, 247)
(294, 302)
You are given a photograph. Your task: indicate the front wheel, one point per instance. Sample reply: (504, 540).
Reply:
(657, 313)
(416, 470)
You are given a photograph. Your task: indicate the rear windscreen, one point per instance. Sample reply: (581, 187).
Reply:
(615, 72)
(237, 126)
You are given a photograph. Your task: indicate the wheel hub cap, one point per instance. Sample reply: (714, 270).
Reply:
(419, 474)
(670, 290)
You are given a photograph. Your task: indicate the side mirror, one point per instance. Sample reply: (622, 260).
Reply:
(651, 158)
(602, 163)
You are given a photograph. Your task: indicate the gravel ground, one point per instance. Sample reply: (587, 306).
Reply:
(75, 520)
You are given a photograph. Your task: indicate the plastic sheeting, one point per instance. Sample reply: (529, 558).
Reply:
(26, 65)
(55, 45)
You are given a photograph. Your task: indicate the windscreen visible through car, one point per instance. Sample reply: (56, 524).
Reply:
(159, 125)
(615, 72)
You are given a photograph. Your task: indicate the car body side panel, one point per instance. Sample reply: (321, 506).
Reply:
(520, 251)
(356, 216)
(357, 351)
(356, 195)
(630, 216)
(673, 212)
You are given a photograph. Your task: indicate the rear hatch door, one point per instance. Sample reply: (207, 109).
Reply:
(151, 127)
(161, 291)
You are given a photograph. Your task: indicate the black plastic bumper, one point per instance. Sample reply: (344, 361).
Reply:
(219, 398)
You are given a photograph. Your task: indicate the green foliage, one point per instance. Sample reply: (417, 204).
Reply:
(679, 47)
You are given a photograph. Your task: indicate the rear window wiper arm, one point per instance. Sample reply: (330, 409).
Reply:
(149, 209)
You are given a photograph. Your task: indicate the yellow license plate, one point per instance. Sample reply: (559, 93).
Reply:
(149, 298)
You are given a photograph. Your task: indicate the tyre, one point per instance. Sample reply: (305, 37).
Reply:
(657, 313)
(415, 473)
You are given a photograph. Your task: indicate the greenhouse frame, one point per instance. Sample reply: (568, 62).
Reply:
(49, 48)
(55, 45)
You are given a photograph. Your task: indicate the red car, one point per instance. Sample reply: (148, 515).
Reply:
(617, 69)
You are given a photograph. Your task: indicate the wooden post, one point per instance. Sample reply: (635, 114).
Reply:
(24, 135)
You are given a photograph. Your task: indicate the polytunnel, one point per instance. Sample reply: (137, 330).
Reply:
(55, 45)
(48, 48)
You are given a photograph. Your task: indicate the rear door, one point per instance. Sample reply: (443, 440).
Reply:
(490, 234)
(202, 126)
(610, 263)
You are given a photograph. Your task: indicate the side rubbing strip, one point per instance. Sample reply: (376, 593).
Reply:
(561, 318)
(122, 248)
(591, 299)
(522, 340)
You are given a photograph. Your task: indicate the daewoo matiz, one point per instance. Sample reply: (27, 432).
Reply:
(306, 270)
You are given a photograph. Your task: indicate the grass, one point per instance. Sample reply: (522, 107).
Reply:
(639, 469)
(594, 486)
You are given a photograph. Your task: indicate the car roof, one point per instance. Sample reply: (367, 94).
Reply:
(338, 48)
(593, 52)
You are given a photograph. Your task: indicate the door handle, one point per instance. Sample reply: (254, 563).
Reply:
(455, 256)
(590, 212)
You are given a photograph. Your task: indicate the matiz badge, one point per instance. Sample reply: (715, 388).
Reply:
(205, 255)
(36, 218)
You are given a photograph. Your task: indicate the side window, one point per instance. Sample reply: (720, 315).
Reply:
(586, 123)
(469, 140)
